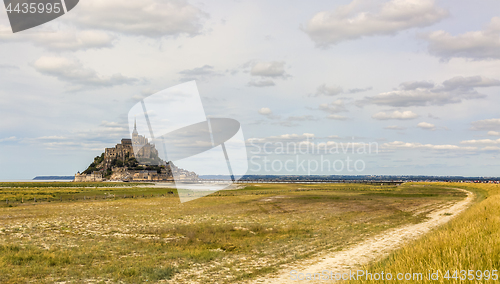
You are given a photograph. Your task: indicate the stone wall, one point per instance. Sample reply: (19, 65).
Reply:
(94, 176)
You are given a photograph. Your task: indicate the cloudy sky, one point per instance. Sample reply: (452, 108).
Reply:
(418, 78)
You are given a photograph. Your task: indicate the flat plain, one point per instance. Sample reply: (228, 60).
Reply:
(129, 233)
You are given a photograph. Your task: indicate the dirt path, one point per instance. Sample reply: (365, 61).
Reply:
(372, 249)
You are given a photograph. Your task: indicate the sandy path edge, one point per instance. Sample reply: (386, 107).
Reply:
(371, 249)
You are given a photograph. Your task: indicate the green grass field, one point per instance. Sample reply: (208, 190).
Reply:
(225, 237)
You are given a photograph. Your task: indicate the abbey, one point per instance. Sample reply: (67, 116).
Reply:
(133, 159)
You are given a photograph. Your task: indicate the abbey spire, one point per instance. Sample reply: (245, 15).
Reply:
(135, 128)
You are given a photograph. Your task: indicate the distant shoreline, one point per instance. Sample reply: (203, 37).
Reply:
(301, 178)
(45, 178)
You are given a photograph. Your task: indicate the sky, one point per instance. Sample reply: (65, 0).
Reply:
(400, 87)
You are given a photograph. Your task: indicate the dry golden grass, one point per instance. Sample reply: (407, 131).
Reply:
(226, 237)
(471, 241)
(12, 193)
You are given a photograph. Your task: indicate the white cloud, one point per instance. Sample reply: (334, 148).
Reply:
(426, 126)
(481, 142)
(265, 111)
(151, 18)
(144, 93)
(261, 83)
(358, 90)
(95, 139)
(74, 72)
(266, 71)
(336, 117)
(114, 126)
(417, 85)
(395, 127)
(301, 118)
(460, 82)
(199, 73)
(493, 133)
(486, 144)
(454, 90)
(491, 148)
(419, 146)
(349, 22)
(333, 107)
(325, 90)
(283, 137)
(419, 97)
(487, 124)
(273, 69)
(328, 91)
(404, 115)
(476, 45)
(63, 40)
(292, 120)
(12, 138)
(52, 137)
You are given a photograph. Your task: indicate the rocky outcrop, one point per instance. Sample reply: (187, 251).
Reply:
(120, 163)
